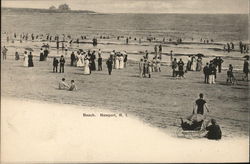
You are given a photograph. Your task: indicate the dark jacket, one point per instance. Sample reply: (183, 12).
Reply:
(214, 132)
(55, 63)
(62, 61)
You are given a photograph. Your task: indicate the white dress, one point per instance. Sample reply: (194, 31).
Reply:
(79, 61)
(25, 61)
(82, 58)
(86, 67)
(194, 63)
(117, 62)
(121, 62)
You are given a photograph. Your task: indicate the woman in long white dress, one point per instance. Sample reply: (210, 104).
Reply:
(25, 59)
(194, 63)
(81, 61)
(117, 62)
(86, 67)
(82, 58)
(121, 62)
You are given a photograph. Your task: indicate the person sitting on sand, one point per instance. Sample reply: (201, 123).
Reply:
(72, 86)
(63, 85)
(214, 131)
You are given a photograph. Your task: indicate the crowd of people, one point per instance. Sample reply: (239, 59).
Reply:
(147, 66)
(118, 60)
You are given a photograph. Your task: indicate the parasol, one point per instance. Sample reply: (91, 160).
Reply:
(246, 56)
(200, 55)
(29, 49)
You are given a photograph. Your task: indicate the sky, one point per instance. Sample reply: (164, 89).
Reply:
(140, 6)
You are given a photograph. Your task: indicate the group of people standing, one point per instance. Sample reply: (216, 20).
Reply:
(61, 62)
(210, 70)
(194, 63)
(146, 66)
(44, 52)
(87, 60)
(28, 59)
(178, 68)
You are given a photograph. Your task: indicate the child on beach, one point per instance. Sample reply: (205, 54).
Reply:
(72, 86)
(63, 85)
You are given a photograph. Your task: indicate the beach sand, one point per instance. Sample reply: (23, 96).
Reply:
(35, 131)
(159, 101)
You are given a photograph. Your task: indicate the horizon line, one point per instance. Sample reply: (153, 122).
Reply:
(125, 12)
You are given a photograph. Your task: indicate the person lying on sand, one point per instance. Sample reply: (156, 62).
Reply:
(63, 85)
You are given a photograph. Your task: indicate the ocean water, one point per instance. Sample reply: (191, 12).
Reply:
(220, 27)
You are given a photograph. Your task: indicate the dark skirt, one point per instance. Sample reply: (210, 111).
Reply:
(41, 57)
(30, 63)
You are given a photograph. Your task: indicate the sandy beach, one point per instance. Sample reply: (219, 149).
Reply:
(35, 131)
(159, 101)
(121, 117)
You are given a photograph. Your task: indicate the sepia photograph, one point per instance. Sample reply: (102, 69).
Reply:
(125, 81)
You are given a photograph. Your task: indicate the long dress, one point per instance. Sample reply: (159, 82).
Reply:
(25, 61)
(41, 56)
(199, 64)
(121, 62)
(80, 61)
(86, 67)
(82, 58)
(194, 63)
(30, 61)
(117, 62)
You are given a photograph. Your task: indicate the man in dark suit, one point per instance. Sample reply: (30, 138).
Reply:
(109, 64)
(62, 62)
(206, 73)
